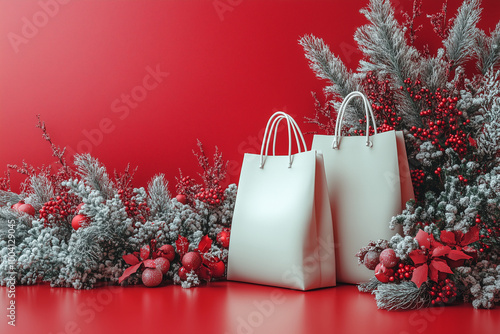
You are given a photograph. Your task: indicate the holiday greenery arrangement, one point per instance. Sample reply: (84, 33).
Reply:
(451, 120)
(79, 227)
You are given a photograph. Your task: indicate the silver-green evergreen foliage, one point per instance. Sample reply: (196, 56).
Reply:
(482, 283)
(461, 40)
(328, 66)
(487, 49)
(8, 198)
(94, 174)
(159, 196)
(387, 53)
(402, 296)
(41, 191)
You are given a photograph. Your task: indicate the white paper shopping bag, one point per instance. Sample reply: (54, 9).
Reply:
(282, 233)
(368, 183)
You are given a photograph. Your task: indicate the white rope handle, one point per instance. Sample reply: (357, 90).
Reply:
(340, 118)
(273, 124)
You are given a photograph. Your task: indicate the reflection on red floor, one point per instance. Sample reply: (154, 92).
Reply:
(227, 307)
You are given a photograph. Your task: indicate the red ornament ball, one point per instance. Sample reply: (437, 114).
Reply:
(218, 269)
(151, 277)
(223, 238)
(163, 264)
(371, 260)
(181, 198)
(168, 252)
(17, 205)
(27, 208)
(191, 260)
(183, 273)
(79, 221)
(388, 258)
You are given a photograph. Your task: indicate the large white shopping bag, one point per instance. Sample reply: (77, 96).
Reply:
(368, 183)
(282, 233)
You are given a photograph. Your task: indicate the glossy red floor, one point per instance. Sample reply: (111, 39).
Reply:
(227, 307)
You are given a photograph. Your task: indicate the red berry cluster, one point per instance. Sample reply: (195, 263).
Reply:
(417, 178)
(211, 196)
(490, 234)
(139, 211)
(59, 208)
(443, 292)
(404, 273)
(442, 120)
(382, 97)
(187, 186)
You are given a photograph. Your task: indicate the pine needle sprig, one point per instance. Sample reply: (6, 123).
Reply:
(158, 195)
(402, 296)
(387, 53)
(461, 40)
(41, 191)
(369, 286)
(487, 49)
(328, 66)
(94, 174)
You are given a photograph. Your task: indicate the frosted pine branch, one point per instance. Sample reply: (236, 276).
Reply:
(402, 296)
(327, 66)
(159, 196)
(461, 40)
(487, 50)
(94, 174)
(9, 198)
(42, 191)
(387, 53)
(369, 286)
(434, 71)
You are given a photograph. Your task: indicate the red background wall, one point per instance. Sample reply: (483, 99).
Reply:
(227, 72)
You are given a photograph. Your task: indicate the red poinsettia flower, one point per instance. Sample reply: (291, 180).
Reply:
(211, 265)
(461, 242)
(431, 259)
(143, 258)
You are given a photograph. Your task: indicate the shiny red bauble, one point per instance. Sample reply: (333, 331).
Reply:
(27, 208)
(17, 205)
(151, 277)
(218, 269)
(167, 251)
(163, 264)
(79, 221)
(388, 258)
(181, 198)
(371, 260)
(191, 260)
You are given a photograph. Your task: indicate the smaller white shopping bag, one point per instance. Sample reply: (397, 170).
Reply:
(282, 232)
(368, 182)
